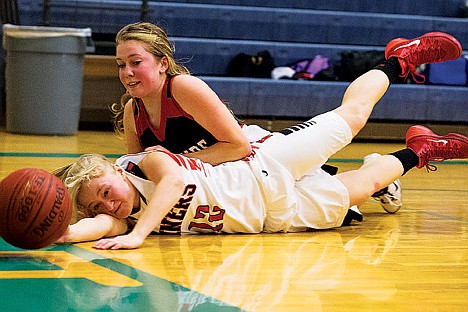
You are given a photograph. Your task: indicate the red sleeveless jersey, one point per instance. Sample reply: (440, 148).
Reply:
(178, 131)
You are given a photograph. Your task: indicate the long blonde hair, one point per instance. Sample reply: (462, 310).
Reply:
(79, 174)
(156, 41)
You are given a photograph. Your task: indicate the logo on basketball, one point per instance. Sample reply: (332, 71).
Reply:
(29, 197)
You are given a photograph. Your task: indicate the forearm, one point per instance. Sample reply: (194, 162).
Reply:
(89, 229)
(161, 202)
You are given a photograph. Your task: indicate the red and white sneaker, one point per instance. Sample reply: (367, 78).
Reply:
(433, 47)
(432, 147)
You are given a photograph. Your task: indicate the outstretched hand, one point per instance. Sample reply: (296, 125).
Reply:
(129, 241)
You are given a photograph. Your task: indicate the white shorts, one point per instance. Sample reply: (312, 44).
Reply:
(322, 202)
(254, 132)
(307, 146)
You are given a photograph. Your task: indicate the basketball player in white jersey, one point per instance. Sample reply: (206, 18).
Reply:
(275, 189)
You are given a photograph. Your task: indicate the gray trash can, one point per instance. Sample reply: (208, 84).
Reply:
(44, 78)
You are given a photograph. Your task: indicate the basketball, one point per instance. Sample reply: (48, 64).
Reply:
(35, 208)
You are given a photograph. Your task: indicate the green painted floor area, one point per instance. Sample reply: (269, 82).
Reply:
(82, 294)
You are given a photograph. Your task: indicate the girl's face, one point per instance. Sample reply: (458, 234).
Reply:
(110, 194)
(140, 72)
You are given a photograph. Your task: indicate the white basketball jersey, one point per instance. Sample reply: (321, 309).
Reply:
(248, 196)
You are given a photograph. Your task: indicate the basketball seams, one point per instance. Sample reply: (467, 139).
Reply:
(45, 199)
(12, 204)
(33, 215)
(34, 210)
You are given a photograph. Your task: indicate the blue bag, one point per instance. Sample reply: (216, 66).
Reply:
(448, 73)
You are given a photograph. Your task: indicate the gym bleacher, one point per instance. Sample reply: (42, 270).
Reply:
(207, 34)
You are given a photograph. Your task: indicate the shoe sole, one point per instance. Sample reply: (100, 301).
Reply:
(398, 41)
(393, 209)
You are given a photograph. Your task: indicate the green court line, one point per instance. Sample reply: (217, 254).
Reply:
(75, 155)
(351, 160)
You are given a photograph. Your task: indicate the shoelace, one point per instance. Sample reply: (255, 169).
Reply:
(389, 199)
(438, 152)
(418, 55)
(385, 197)
(411, 69)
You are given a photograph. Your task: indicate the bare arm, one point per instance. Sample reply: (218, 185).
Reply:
(168, 177)
(131, 138)
(204, 105)
(164, 171)
(89, 229)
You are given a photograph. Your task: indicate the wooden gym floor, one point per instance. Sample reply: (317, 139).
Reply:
(415, 260)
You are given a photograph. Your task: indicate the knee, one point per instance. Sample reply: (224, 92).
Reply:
(355, 114)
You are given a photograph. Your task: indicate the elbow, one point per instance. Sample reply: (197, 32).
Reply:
(177, 184)
(246, 150)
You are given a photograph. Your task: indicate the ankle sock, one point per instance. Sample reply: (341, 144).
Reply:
(391, 68)
(408, 159)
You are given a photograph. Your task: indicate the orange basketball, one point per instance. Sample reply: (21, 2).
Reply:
(35, 208)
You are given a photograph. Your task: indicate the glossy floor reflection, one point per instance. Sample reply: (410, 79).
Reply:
(415, 260)
(73, 279)
(370, 267)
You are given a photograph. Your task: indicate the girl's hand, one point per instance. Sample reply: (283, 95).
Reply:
(157, 148)
(129, 241)
(65, 236)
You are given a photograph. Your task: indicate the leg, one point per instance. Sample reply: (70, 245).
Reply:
(360, 98)
(366, 91)
(323, 201)
(313, 142)
(423, 146)
(303, 149)
(371, 177)
(307, 146)
(390, 197)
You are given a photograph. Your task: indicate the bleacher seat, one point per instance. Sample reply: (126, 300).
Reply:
(446, 8)
(208, 33)
(253, 23)
(210, 57)
(296, 99)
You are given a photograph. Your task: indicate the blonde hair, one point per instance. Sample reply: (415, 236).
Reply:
(80, 173)
(156, 41)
